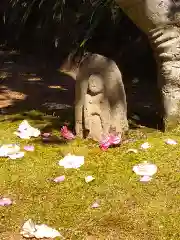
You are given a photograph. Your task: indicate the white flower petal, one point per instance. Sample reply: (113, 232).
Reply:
(145, 169)
(72, 161)
(145, 145)
(170, 141)
(89, 179)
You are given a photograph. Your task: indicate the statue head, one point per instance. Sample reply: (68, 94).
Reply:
(95, 83)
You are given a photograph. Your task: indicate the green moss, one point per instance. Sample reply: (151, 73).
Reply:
(128, 209)
(171, 123)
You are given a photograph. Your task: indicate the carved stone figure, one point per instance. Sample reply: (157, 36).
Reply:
(100, 98)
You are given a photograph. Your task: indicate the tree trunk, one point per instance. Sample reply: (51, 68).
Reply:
(166, 44)
(159, 19)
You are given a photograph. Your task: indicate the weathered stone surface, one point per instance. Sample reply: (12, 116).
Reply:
(100, 98)
(166, 45)
(160, 21)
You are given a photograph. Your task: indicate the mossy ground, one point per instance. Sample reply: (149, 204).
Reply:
(129, 210)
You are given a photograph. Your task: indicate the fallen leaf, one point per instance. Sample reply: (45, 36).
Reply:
(132, 150)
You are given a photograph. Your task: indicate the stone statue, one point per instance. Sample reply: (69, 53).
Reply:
(100, 98)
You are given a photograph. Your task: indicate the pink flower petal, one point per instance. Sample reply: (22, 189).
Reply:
(104, 148)
(105, 143)
(95, 205)
(115, 139)
(66, 133)
(5, 201)
(46, 135)
(109, 140)
(29, 148)
(59, 179)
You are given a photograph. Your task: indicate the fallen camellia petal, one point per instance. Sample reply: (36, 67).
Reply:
(7, 149)
(145, 179)
(25, 131)
(170, 141)
(104, 147)
(30, 230)
(43, 231)
(132, 150)
(59, 179)
(22, 135)
(145, 145)
(46, 135)
(23, 126)
(95, 205)
(89, 179)
(145, 169)
(72, 161)
(66, 133)
(115, 140)
(16, 155)
(11, 150)
(107, 141)
(5, 201)
(29, 148)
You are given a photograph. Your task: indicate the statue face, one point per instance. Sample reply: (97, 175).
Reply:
(95, 84)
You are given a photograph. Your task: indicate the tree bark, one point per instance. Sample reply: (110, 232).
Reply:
(166, 45)
(160, 20)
